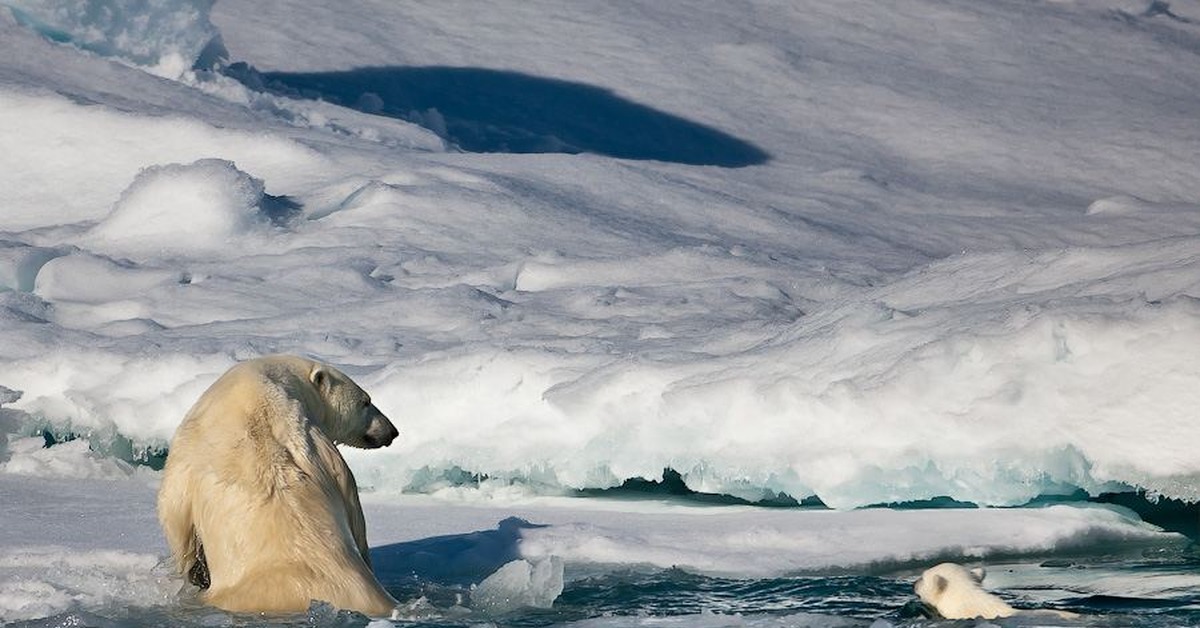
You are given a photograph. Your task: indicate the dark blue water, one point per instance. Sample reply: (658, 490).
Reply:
(1153, 591)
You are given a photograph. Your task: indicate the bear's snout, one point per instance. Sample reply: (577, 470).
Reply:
(381, 432)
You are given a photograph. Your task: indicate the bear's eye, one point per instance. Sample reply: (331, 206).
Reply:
(366, 403)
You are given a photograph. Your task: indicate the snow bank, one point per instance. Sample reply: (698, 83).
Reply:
(174, 209)
(987, 378)
(995, 403)
(145, 396)
(165, 37)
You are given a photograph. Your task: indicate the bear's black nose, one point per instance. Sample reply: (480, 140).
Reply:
(389, 436)
(380, 434)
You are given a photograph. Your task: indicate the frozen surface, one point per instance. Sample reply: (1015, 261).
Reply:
(747, 542)
(862, 252)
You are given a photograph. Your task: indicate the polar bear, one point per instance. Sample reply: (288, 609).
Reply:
(257, 504)
(957, 593)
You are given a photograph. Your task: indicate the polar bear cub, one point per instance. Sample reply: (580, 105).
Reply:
(957, 593)
(258, 506)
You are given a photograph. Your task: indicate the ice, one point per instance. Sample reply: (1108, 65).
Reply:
(8, 395)
(165, 36)
(520, 584)
(20, 263)
(40, 582)
(74, 459)
(720, 620)
(748, 544)
(86, 278)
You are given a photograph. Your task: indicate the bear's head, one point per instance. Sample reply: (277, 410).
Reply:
(946, 584)
(349, 415)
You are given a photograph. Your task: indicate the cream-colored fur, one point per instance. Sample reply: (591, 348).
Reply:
(957, 593)
(257, 500)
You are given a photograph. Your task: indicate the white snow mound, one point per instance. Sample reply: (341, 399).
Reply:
(181, 208)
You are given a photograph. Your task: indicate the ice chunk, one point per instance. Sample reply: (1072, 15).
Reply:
(84, 278)
(45, 581)
(519, 584)
(166, 37)
(19, 264)
(74, 459)
(8, 395)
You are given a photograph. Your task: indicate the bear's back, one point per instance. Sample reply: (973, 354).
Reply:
(252, 483)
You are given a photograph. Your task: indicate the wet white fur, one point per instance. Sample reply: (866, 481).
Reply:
(254, 481)
(956, 592)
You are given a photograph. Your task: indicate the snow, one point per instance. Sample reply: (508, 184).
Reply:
(867, 253)
(216, 201)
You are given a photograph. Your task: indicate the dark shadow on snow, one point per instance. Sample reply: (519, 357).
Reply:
(494, 111)
(455, 560)
(280, 210)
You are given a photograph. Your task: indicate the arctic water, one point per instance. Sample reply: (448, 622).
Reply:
(1158, 588)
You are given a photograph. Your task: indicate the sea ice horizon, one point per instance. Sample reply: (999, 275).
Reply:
(834, 253)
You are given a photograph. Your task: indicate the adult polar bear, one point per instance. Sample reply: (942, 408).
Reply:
(258, 506)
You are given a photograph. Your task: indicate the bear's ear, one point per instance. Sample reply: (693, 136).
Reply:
(978, 574)
(319, 378)
(940, 583)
